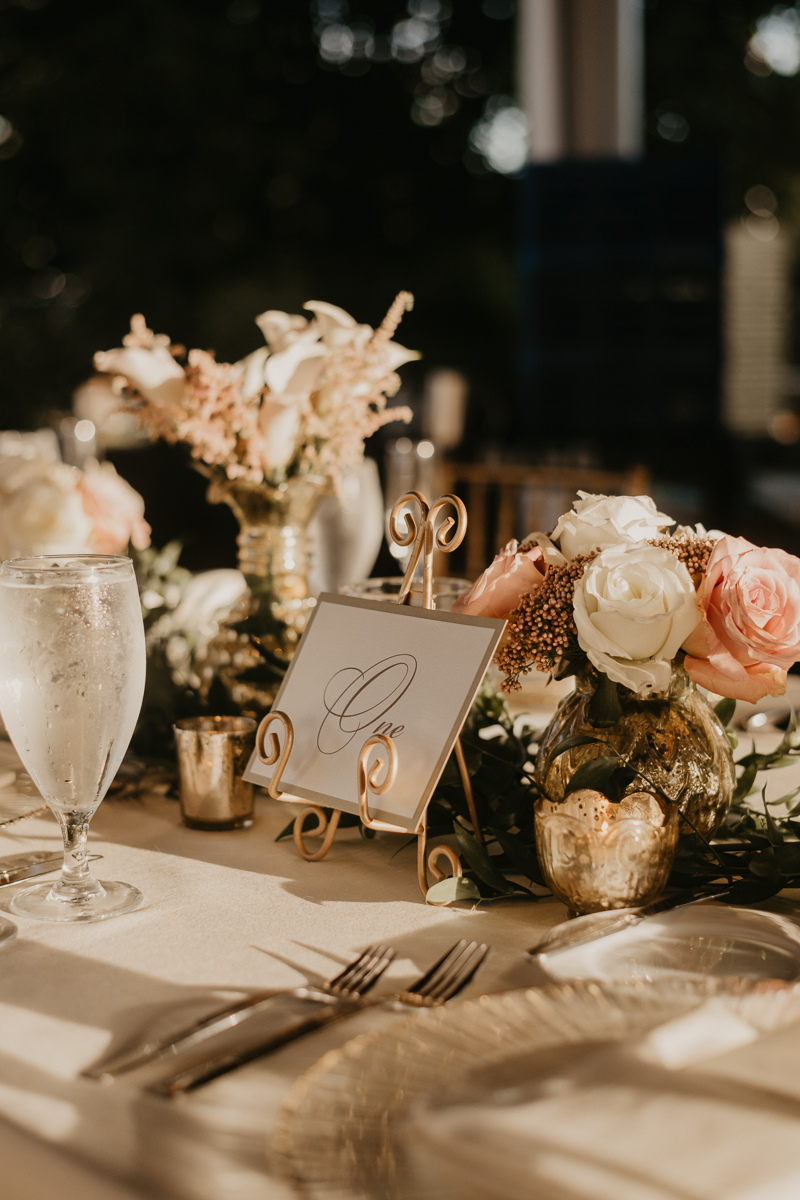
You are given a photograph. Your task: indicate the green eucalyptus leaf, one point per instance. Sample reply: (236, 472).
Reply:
(788, 857)
(594, 774)
(576, 739)
(573, 660)
(773, 833)
(618, 782)
(447, 891)
(479, 860)
(764, 865)
(750, 891)
(732, 737)
(604, 707)
(725, 710)
(523, 858)
(787, 799)
(745, 782)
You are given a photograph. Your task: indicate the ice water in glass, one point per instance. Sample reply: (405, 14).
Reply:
(72, 669)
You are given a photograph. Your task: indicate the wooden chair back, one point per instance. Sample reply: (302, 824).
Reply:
(506, 501)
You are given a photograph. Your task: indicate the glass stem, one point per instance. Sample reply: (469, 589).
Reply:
(76, 879)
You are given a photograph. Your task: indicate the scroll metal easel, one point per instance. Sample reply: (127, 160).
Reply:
(424, 538)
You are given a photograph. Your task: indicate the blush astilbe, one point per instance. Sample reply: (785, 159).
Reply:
(351, 403)
(542, 629)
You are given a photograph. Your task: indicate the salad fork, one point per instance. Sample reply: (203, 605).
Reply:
(445, 979)
(299, 1009)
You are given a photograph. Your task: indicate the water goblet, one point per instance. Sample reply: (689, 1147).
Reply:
(72, 668)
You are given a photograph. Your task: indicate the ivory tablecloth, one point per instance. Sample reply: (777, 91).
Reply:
(222, 911)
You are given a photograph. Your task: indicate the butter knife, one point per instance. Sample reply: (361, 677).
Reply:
(581, 930)
(15, 867)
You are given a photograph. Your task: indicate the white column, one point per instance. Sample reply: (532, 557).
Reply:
(541, 77)
(580, 68)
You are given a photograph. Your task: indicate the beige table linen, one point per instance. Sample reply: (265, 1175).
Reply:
(222, 911)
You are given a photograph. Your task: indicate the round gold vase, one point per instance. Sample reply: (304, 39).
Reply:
(252, 653)
(675, 739)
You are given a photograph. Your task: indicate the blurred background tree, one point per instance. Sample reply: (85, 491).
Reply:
(203, 160)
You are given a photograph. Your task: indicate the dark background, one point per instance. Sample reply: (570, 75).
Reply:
(198, 161)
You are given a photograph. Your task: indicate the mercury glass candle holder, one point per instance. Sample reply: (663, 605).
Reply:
(596, 855)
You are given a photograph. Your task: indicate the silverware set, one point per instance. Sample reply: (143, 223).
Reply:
(256, 1026)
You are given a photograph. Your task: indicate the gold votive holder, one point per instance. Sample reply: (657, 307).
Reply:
(596, 855)
(213, 753)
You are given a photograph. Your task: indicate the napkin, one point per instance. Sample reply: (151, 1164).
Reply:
(683, 1113)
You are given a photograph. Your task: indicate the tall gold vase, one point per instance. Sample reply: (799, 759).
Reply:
(252, 654)
(674, 739)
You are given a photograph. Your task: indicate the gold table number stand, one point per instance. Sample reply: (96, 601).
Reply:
(424, 538)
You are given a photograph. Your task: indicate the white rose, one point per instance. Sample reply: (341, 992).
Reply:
(634, 607)
(153, 372)
(596, 522)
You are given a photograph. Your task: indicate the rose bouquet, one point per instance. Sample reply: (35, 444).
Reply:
(49, 507)
(612, 592)
(303, 404)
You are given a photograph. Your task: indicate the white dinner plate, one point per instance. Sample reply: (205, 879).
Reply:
(341, 1134)
(696, 941)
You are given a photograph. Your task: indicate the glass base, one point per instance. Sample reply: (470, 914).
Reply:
(42, 904)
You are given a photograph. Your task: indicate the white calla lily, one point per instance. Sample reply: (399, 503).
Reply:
(153, 372)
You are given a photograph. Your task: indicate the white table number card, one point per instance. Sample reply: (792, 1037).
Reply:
(366, 667)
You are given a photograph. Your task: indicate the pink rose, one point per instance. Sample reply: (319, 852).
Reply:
(512, 575)
(750, 599)
(115, 510)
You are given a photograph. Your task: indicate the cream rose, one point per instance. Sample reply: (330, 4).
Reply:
(634, 606)
(597, 522)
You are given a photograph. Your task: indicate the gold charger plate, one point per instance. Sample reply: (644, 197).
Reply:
(340, 1133)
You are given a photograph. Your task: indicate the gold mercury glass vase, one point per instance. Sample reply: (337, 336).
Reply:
(252, 651)
(674, 739)
(596, 855)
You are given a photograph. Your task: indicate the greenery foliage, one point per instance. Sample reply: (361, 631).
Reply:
(754, 856)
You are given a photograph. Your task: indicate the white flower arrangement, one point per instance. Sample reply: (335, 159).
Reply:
(611, 588)
(48, 507)
(302, 404)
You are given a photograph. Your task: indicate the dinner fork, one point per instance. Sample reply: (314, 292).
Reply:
(445, 979)
(321, 1002)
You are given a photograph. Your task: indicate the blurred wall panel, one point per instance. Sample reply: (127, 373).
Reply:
(757, 304)
(619, 267)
